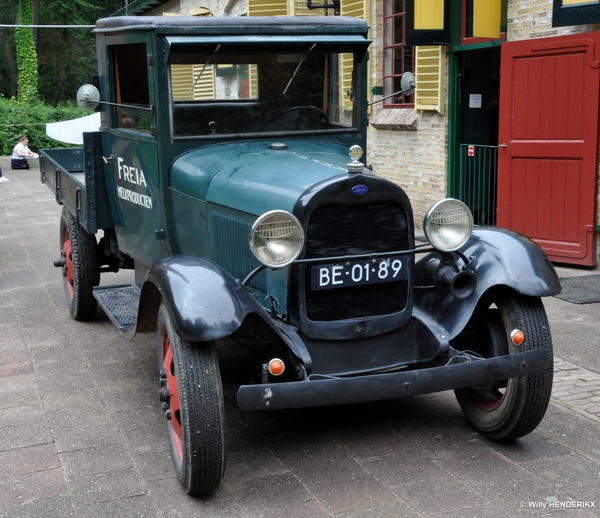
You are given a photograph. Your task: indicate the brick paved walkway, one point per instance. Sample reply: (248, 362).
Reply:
(82, 434)
(577, 388)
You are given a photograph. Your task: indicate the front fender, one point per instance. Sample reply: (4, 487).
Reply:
(204, 301)
(498, 258)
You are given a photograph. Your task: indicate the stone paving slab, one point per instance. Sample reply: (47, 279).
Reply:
(82, 433)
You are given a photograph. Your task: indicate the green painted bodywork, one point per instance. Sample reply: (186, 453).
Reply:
(220, 190)
(199, 193)
(251, 178)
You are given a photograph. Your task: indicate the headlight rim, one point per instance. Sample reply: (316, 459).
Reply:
(260, 220)
(435, 242)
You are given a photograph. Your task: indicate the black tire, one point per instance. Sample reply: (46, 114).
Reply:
(194, 407)
(507, 410)
(81, 271)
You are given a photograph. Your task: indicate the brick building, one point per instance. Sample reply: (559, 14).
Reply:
(506, 111)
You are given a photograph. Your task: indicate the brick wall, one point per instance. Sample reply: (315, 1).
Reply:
(217, 7)
(416, 160)
(528, 19)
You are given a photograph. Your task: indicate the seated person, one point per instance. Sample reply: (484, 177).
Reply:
(128, 122)
(20, 154)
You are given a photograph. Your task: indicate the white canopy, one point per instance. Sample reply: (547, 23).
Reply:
(72, 131)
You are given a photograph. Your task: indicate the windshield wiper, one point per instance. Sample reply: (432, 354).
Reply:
(297, 68)
(201, 72)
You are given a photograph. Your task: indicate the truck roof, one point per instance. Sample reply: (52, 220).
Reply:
(235, 24)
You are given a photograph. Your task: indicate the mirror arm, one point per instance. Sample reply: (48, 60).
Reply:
(411, 87)
(144, 108)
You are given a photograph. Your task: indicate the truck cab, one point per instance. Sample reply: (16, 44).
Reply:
(229, 176)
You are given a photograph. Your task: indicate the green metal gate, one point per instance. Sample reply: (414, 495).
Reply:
(478, 181)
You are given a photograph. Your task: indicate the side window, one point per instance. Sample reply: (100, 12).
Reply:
(397, 56)
(131, 87)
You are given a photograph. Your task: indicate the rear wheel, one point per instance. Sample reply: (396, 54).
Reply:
(192, 397)
(508, 409)
(81, 271)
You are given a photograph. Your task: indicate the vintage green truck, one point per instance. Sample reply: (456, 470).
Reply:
(227, 177)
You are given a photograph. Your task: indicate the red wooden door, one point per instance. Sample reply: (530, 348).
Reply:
(548, 138)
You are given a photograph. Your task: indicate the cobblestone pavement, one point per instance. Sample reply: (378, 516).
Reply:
(82, 433)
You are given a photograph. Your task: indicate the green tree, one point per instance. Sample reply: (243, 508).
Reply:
(27, 63)
(66, 57)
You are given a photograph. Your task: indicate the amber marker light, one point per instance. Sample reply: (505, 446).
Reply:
(276, 367)
(517, 337)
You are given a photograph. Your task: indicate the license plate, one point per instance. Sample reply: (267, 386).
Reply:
(355, 273)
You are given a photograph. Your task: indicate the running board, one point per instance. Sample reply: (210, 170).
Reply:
(120, 302)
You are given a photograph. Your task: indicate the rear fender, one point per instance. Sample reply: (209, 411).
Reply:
(204, 301)
(497, 257)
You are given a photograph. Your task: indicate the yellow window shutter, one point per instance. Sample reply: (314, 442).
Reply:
(429, 14)
(267, 7)
(253, 80)
(204, 88)
(181, 81)
(430, 64)
(356, 9)
(487, 17)
(347, 66)
(201, 11)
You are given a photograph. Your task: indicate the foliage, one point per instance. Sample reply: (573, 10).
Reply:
(26, 55)
(29, 119)
(66, 56)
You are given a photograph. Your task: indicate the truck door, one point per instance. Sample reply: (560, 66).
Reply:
(134, 163)
(548, 138)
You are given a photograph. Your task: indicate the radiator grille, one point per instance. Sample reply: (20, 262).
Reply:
(232, 251)
(349, 229)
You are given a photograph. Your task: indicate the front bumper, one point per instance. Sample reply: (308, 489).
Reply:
(360, 389)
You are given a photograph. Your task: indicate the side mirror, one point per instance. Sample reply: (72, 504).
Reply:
(88, 97)
(407, 83)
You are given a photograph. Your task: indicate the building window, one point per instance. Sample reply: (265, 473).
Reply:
(575, 12)
(397, 57)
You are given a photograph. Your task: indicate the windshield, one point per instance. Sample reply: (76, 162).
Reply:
(226, 90)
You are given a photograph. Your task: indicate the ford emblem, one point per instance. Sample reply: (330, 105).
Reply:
(360, 189)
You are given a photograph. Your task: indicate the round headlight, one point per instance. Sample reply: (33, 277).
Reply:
(448, 225)
(276, 238)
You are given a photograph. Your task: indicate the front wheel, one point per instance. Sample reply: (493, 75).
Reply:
(81, 271)
(192, 397)
(508, 409)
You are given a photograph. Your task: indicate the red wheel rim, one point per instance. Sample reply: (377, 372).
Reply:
(490, 400)
(174, 403)
(67, 250)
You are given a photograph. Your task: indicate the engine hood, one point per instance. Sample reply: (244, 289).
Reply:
(255, 177)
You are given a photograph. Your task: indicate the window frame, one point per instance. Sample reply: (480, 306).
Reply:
(391, 49)
(471, 40)
(576, 14)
